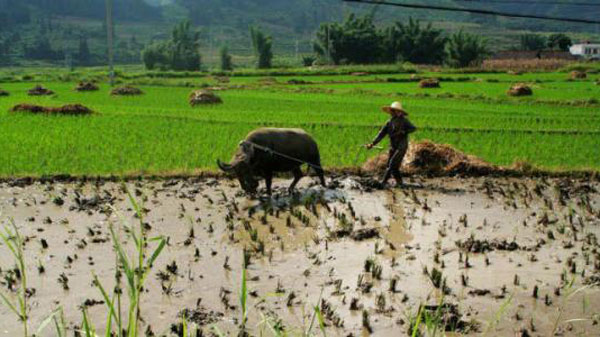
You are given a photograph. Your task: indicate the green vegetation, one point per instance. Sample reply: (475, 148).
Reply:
(262, 45)
(34, 32)
(158, 133)
(179, 53)
(359, 41)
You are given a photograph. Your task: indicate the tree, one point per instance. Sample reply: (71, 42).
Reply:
(413, 43)
(262, 45)
(559, 41)
(226, 63)
(464, 50)
(356, 41)
(179, 53)
(532, 42)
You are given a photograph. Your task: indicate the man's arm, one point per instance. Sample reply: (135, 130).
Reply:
(409, 127)
(382, 133)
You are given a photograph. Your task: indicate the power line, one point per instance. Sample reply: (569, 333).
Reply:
(473, 10)
(531, 3)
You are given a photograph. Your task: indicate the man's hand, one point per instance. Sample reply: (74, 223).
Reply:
(369, 146)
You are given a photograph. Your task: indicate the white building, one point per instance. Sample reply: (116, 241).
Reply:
(587, 50)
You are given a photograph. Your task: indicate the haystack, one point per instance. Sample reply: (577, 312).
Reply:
(4, 93)
(429, 83)
(513, 72)
(360, 73)
(126, 91)
(520, 89)
(201, 97)
(437, 159)
(39, 90)
(69, 109)
(221, 79)
(86, 86)
(575, 75)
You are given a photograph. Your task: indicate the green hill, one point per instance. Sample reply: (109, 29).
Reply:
(57, 30)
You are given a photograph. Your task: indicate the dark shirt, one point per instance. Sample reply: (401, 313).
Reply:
(398, 129)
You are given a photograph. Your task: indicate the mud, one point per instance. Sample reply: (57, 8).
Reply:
(504, 256)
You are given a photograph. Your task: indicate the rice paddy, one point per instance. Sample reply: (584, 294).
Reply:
(158, 132)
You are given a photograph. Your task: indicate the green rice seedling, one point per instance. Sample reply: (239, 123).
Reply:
(12, 239)
(135, 270)
(569, 293)
(88, 329)
(498, 315)
(244, 300)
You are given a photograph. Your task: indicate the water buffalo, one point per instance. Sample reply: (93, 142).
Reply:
(269, 150)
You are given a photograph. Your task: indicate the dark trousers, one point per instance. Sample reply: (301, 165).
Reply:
(396, 155)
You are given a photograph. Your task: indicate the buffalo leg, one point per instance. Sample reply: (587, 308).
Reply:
(297, 176)
(319, 171)
(269, 181)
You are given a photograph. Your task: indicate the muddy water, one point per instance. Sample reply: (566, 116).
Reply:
(314, 246)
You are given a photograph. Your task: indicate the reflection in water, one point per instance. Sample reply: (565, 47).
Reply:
(287, 223)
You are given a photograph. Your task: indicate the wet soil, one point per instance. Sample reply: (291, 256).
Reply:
(482, 246)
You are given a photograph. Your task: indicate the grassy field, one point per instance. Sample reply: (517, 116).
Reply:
(558, 128)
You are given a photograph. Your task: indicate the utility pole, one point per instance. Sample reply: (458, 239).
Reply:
(109, 36)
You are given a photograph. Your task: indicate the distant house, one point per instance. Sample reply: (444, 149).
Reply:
(586, 50)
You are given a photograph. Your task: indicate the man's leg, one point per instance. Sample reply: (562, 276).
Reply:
(389, 171)
(397, 164)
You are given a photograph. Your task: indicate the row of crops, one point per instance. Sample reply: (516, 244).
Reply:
(159, 133)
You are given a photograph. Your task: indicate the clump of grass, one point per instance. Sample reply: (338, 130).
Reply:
(13, 240)
(135, 270)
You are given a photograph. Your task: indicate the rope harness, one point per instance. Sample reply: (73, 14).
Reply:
(271, 152)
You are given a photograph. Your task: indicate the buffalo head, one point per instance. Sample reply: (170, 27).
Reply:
(241, 167)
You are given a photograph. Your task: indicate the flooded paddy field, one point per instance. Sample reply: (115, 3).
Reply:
(470, 256)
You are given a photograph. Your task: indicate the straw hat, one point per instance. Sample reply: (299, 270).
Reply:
(394, 108)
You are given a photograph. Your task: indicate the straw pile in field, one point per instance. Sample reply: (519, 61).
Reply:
(69, 109)
(430, 158)
(520, 89)
(86, 86)
(577, 75)
(202, 97)
(39, 90)
(429, 83)
(126, 91)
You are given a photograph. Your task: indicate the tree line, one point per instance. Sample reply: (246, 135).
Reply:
(357, 40)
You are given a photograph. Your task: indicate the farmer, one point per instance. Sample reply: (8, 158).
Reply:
(398, 128)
